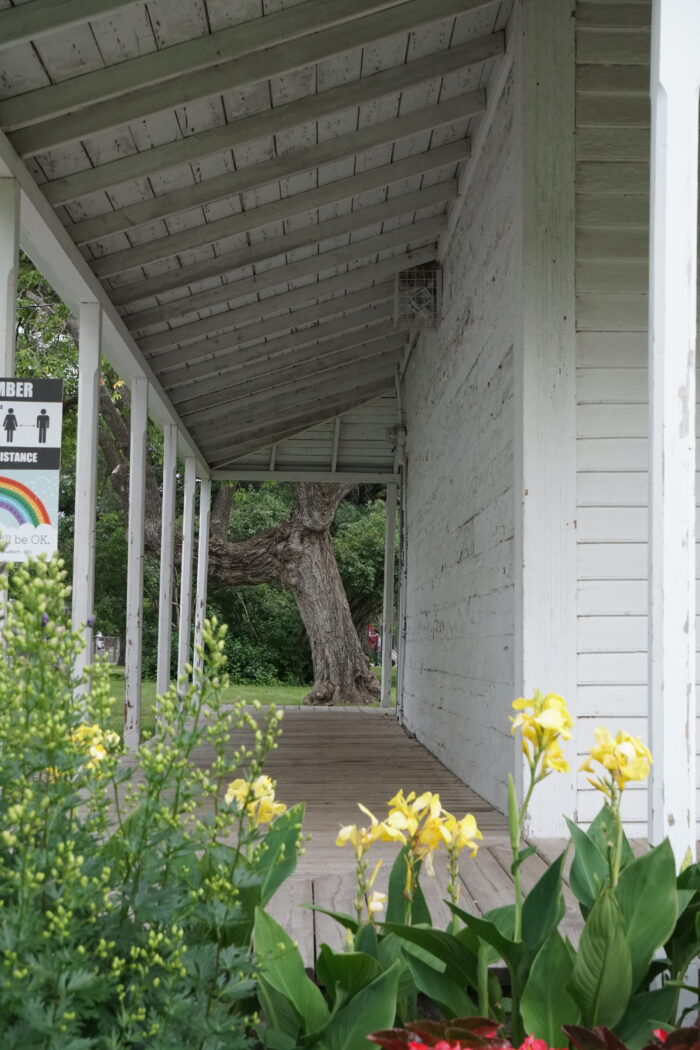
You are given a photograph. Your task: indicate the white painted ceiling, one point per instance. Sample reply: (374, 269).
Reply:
(245, 178)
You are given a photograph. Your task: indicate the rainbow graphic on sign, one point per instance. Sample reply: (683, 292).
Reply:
(23, 504)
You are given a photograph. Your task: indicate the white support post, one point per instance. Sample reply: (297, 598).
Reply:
(134, 586)
(167, 558)
(545, 393)
(89, 351)
(200, 607)
(675, 82)
(9, 268)
(388, 613)
(183, 643)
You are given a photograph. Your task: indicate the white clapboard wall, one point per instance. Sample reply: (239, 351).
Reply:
(612, 206)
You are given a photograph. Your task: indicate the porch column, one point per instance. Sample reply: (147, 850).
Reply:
(675, 79)
(183, 645)
(200, 605)
(134, 584)
(544, 394)
(83, 602)
(167, 557)
(9, 268)
(388, 614)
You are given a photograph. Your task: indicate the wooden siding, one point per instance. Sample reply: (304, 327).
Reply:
(612, 228)
(458, 390)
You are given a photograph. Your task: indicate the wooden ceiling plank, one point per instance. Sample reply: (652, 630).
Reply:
(253, 177)
(411, 234)
(296, 381)
(300, 346)
(208, 143)
(189, 304)
(346, 381)
(224, 79)
(196, 360)
(89, 90)
(298, 363)
(248, 314)
(18, 25)
(255, 218)
(250, 438)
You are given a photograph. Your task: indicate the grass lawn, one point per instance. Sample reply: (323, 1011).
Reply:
(282, 695)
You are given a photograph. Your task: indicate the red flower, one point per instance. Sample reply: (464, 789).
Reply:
(661, 1034)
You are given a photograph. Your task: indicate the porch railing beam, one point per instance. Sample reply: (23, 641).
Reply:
(167, 556)
(675, 81)
(134, 585)
(83, 599)
(183, 645)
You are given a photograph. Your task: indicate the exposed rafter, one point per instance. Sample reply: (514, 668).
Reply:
(250, 437)
(89, 89)
(317, 359)
(273, 61)
(200, 358)
(166, 247)
(298, 347)
(208, 143)
(244, 315)
(215, 434)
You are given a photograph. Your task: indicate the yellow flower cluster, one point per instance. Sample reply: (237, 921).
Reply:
(624, 757)
(417, 821)
(543, 722)
(95, 742)
(256, 798)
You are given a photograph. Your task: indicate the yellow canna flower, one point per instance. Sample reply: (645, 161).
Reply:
(256, 798)
(362, 838)
(94, 742)
(624, 757)
(543, 721)
(462, 833)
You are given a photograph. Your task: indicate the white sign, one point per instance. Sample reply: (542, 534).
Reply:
(31, 412)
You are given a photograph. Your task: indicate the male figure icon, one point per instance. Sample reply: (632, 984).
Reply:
(42, 422)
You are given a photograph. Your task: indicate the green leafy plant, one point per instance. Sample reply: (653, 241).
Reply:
(128, 888)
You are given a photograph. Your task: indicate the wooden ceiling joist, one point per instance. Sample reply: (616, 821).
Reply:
(291, 383)
(243, 315)
(19, 25)
(299, 347)
(255, 218)
(273, 61)
(88, 90)
(251, 436)
(215, 434)
(316, 358)
(221, 139)
(412, 234)
(200, 358)
(244, 222)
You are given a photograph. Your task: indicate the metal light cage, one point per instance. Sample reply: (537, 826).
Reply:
(418, 297)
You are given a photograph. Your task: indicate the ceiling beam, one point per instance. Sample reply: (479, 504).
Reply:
(253, 177)
(318, 360)
(243, 315)
(31, 21)
(245, 222)
(277, 353)
(218, 140)
(346, 381)
(410, 235)
(233, 225)
(286, 272)
(201, 357)
(273, 61)
(251, 438)
(137, 74)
